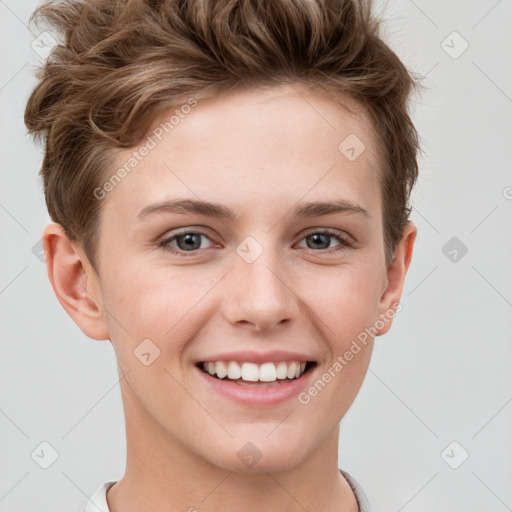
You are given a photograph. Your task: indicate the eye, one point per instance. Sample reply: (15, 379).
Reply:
(186, 242)
(322, 239)
(189, 243)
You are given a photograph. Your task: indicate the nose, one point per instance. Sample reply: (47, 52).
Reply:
(260, 294)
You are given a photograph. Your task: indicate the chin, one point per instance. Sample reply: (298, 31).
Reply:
(258, 456)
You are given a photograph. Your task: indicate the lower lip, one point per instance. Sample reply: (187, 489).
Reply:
(257, 395)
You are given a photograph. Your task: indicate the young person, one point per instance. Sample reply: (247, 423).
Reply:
(229, 184)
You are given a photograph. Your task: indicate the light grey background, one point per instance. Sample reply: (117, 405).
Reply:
(442, 374)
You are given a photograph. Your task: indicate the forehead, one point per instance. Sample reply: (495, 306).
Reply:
(279, 143)
(276, 114)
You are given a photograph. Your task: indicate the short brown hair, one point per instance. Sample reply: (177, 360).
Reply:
(120, 63)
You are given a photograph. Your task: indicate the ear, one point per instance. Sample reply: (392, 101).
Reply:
(396, 272)
(74, 281)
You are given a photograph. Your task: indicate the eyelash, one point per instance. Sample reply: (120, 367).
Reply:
(344, 244)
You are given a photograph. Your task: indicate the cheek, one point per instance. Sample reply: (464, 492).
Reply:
(345, 303)
(170, 306)
(155, 304)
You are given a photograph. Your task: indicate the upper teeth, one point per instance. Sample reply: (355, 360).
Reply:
(266, 372)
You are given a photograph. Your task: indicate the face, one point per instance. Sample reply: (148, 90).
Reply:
(270, 279)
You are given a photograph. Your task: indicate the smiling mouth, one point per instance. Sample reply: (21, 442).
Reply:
(252, 374)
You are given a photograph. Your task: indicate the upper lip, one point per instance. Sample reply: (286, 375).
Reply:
(274, 356)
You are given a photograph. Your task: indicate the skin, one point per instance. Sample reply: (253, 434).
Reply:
(259, 152)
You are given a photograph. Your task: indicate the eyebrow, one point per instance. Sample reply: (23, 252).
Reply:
(221, 212)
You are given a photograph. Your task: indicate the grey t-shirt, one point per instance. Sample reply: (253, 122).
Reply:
(98, 502)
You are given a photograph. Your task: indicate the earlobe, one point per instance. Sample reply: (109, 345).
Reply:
(74, 282)
(396, 272)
